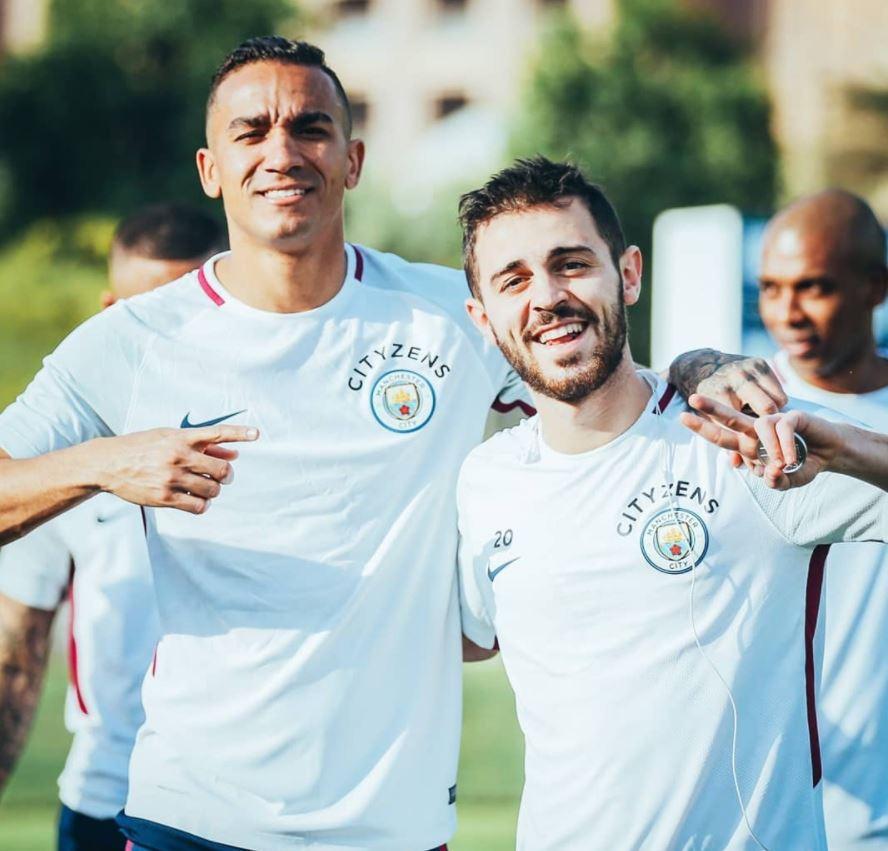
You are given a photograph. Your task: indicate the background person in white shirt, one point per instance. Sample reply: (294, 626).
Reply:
(94, 556)
(639, 587)
(822, 275)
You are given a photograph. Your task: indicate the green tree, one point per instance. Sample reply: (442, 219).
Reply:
(108, 114)
(667, 111)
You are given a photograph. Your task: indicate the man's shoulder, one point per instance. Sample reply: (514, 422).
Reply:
(441, 286)
(503, 450)
(166, 306)
(160, 310)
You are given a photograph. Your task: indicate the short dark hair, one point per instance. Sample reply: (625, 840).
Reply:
(535, 182)
(170, 232)
(276, 48)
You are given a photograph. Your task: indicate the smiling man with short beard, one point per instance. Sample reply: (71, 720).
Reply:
(604, 547)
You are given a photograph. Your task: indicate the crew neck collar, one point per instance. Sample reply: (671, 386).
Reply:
(215, 291)
(661, 394)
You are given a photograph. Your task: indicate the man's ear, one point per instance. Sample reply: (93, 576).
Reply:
(209, 174)
(631, 266)
(107, 298)
(878, 287)
(478, 315)
(355, 163)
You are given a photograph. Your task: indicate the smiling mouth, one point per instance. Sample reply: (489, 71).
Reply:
(561, 335)
(285, 194)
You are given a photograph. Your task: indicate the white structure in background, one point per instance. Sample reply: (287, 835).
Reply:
(697, 285)
(434, 82)
(22, 24)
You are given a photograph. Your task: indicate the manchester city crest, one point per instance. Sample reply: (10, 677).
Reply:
(674, 540)
(402, 400)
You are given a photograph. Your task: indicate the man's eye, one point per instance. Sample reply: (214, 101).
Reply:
(312, 131)
(511, 283)
(252, 134)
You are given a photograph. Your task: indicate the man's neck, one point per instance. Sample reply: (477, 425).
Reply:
(574, 427)
(282, 282)
(864, 374)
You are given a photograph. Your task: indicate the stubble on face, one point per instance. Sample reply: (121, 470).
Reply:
(579, 374)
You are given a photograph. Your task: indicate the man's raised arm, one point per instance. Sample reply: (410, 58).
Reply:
(831, 446)
(166, 467)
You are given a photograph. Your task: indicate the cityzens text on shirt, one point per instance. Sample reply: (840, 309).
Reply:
(636, 508)
(393, 352)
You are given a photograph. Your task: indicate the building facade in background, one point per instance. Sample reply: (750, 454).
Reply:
(434, 82)
(22, 24)
(827, 71)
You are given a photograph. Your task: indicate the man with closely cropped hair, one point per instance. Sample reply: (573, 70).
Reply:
(822, 275)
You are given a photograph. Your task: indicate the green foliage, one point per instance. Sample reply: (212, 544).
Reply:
(430, 236)
(667, 112)
(50, 280)
(108, 115)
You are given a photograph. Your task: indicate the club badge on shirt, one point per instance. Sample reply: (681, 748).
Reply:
(674, 540)
(402, 400)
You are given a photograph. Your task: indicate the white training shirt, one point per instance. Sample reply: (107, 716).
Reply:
(577, 565)
(853, 702)
(95, 555)
(307, 685)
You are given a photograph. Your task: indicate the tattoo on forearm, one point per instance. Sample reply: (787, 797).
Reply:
(24, 641)
(687, 371)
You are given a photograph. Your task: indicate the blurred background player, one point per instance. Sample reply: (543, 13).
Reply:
(95, 556)
(823, 274)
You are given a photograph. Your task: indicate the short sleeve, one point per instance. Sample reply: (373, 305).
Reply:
(830, 510)
(82, 391)
(475, 594)
(35, 569)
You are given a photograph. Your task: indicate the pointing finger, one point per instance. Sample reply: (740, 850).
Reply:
(728, 417)
(221, 434)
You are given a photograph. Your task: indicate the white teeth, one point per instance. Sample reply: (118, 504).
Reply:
(563, 330)
(284, 193)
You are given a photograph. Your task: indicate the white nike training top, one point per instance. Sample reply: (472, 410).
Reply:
(853, 704)
(582, 567)
(307, 684)
(95, 555)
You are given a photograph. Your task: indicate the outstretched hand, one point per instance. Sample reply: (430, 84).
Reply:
(741, 434)
(169, 467)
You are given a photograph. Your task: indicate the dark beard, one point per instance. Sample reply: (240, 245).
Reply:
(578, 383)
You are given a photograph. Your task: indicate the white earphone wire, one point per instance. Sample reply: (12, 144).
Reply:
(667, 454)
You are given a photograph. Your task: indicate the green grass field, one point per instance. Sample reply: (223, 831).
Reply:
(489, 780)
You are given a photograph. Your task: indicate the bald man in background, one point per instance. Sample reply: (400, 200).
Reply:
(823, 274)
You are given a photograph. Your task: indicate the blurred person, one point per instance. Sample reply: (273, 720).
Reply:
(307, 687)
(823, 273)
(95, 557)
(655, 608)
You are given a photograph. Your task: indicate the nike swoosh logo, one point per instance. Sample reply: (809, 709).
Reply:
(186, 424)
(492, 573)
